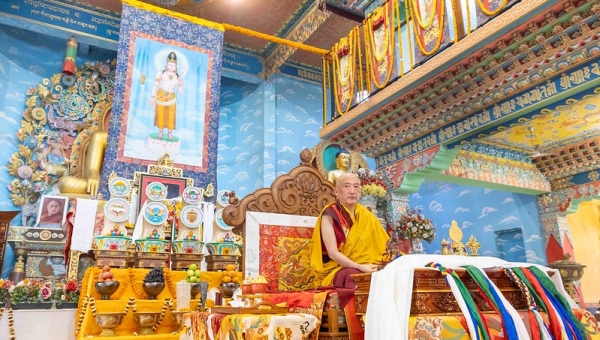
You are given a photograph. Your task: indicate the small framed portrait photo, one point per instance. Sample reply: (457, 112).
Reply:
(52, 212)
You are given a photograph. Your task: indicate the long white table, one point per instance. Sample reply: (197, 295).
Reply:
(51, 324)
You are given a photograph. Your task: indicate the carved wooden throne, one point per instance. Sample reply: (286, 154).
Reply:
(292, 203)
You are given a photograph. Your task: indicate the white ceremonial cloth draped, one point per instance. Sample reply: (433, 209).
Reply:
(388, 310)
(83, 226)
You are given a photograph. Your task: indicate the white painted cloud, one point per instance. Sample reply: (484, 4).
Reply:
(5, 117)
(518, 236)
(290, 117)
(464, 192)
(286, 149)
(533, 238)
(486, 210)
(240, 177)
(224, 127)
(445, 226)
(245, 127)
(223, 170)
(509, 219)
(435, 206)
(516, 248)
(466, 224)
(488, 228)
(487, 191)
(532, 257)
(487, 253)
(501, 241)
(461, 209)
(508, 200)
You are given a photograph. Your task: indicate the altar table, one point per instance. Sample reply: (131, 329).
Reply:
(51, 324)
(293, 326)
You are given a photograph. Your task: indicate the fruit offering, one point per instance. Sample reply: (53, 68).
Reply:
(106, 275)
(230, 274)
(155, 275)
(193, 274)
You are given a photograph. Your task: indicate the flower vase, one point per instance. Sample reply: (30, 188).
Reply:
(370, 202)
(417, 246)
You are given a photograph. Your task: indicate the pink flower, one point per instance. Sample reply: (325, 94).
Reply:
(45, 292)
(25, 171)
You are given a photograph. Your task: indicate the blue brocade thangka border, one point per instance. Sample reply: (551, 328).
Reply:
(133, 21)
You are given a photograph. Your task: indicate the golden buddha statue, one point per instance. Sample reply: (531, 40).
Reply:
(85, 178)
(342, 164)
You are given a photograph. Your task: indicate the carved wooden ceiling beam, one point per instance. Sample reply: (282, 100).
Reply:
(496, 70)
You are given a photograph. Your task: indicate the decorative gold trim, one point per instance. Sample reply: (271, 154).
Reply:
(73, 267)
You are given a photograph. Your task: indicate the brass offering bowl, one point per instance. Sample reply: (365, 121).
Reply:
(178, 318)
(106, 289)
(146, 321)
(152, 289)
(108, 322)
(228, 288)
(194, 289)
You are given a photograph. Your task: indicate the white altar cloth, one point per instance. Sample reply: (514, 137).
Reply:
(35, 324)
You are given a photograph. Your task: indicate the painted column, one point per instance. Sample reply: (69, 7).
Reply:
(559, 244)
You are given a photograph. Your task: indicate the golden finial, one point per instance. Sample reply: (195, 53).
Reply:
(473, 246)
(444, 247)
(165, 160)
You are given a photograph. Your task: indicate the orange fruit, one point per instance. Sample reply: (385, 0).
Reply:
(230, 267)
(224, 273)
(226, 279)
(236, 279)
(232, 273)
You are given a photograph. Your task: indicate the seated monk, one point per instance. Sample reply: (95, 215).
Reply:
(347, 239)
(91, 168)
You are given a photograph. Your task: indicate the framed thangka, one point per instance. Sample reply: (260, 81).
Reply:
(165, 105)
(166, 93)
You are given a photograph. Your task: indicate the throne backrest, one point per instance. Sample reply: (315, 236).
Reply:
(277, 225)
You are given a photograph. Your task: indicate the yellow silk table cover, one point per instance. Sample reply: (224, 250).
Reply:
(202, 326)
(130, 286)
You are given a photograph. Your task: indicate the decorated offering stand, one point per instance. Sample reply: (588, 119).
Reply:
(129, 311)
(112, 246)
(187, 247)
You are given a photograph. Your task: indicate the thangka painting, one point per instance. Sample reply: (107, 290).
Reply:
(430, 25)
(166, 94)
(488, 9)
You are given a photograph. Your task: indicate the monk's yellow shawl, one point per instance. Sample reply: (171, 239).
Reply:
(365, 244)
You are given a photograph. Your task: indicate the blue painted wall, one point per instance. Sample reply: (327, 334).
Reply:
(487, 214)
(262, 133)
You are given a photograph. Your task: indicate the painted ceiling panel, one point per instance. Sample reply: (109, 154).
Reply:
(554, 129)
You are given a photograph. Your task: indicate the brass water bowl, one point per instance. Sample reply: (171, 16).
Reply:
(152, 289)
(228, 288)
(108, 322)
(194, 289)
(569, 270)
(106, 289)
(178, 318)
(146, 321)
